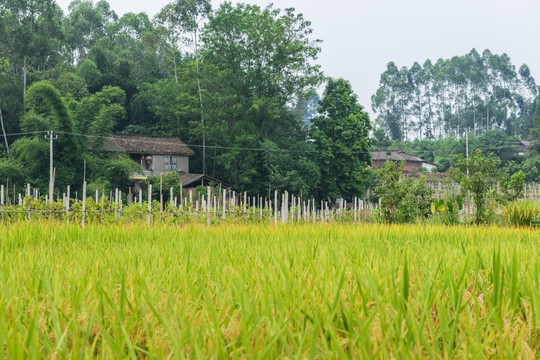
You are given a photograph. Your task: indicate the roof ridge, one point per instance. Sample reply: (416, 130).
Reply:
(149, 144)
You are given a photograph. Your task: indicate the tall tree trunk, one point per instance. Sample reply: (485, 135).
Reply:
(4, 132)
(175, 70)
(200, 99)
(25, 68)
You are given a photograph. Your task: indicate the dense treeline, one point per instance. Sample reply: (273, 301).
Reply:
(479, 92)
(234, 83)
(513, 153)
(237, 84)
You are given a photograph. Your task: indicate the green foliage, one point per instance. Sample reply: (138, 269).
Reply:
(100, 113)
(249, 72)
(110, 170)
(182, 17)
(34, 154)
(536, 115)
(531, 168)
(448, 97)
(32, 36)
(91, 75)
(448, 208)
(442, 151)
(72, 85)
(11, 172)
(402, 200)
(85, 24)
(477, 174)
(292, 171)
(341, 137)
(46, 110)
(165, 183)
(534, 135)
(511, 187)
(43, 98)
(271, 58)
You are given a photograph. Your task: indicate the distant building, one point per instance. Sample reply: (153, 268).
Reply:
(160, 155)
(156, 154)
(412, 163)
(523, 145)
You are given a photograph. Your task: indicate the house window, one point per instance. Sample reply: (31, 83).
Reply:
(170, 163)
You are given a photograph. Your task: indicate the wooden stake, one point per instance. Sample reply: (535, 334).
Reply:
(84, 204)
(68, 198)
(275, 207)
(224, 197)
(149, 204)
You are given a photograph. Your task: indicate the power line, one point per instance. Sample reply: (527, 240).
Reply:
(27, 133)
(284, 150)
(281, 150)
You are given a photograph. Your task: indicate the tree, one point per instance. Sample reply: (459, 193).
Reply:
(256, 63)
(31, 34)
(478, 92)
(99, 113)
(12, 170)
(477, 174)
(341, 135)
(46, 110)
(401, 200)
(265, 52)
(185, 17)
(535, 130)
(109, 171)
(84, 25)
(294, 171)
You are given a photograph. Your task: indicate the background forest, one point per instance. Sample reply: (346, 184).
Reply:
(445, 99)
(239, 85)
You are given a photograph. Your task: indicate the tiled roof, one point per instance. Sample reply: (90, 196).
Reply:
(394, 156)
(187, 179)
(144, 144)
(193, 179)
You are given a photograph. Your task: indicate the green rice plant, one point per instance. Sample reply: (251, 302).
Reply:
(522, 213)
(265, 291)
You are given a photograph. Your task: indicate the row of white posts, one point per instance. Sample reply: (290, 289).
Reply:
(284, 208)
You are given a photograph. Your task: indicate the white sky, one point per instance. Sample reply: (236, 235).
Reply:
(360, 37)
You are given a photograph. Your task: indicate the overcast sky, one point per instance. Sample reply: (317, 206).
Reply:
(361, 36)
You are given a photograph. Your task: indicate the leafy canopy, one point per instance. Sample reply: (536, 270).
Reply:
(341, 135)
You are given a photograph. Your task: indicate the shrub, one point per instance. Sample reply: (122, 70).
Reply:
(477, 173)
(401, 200)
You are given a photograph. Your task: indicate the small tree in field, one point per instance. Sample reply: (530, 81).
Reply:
(402, 200)
(477, 174)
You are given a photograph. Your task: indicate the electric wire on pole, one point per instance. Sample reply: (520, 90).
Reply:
(51, 137)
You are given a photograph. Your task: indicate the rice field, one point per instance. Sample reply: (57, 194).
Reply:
(265, 291)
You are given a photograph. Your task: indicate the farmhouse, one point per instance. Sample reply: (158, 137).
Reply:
(412, 163)
(156, 154)
(160, 155)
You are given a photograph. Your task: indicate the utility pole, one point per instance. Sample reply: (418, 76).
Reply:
(51, 137)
